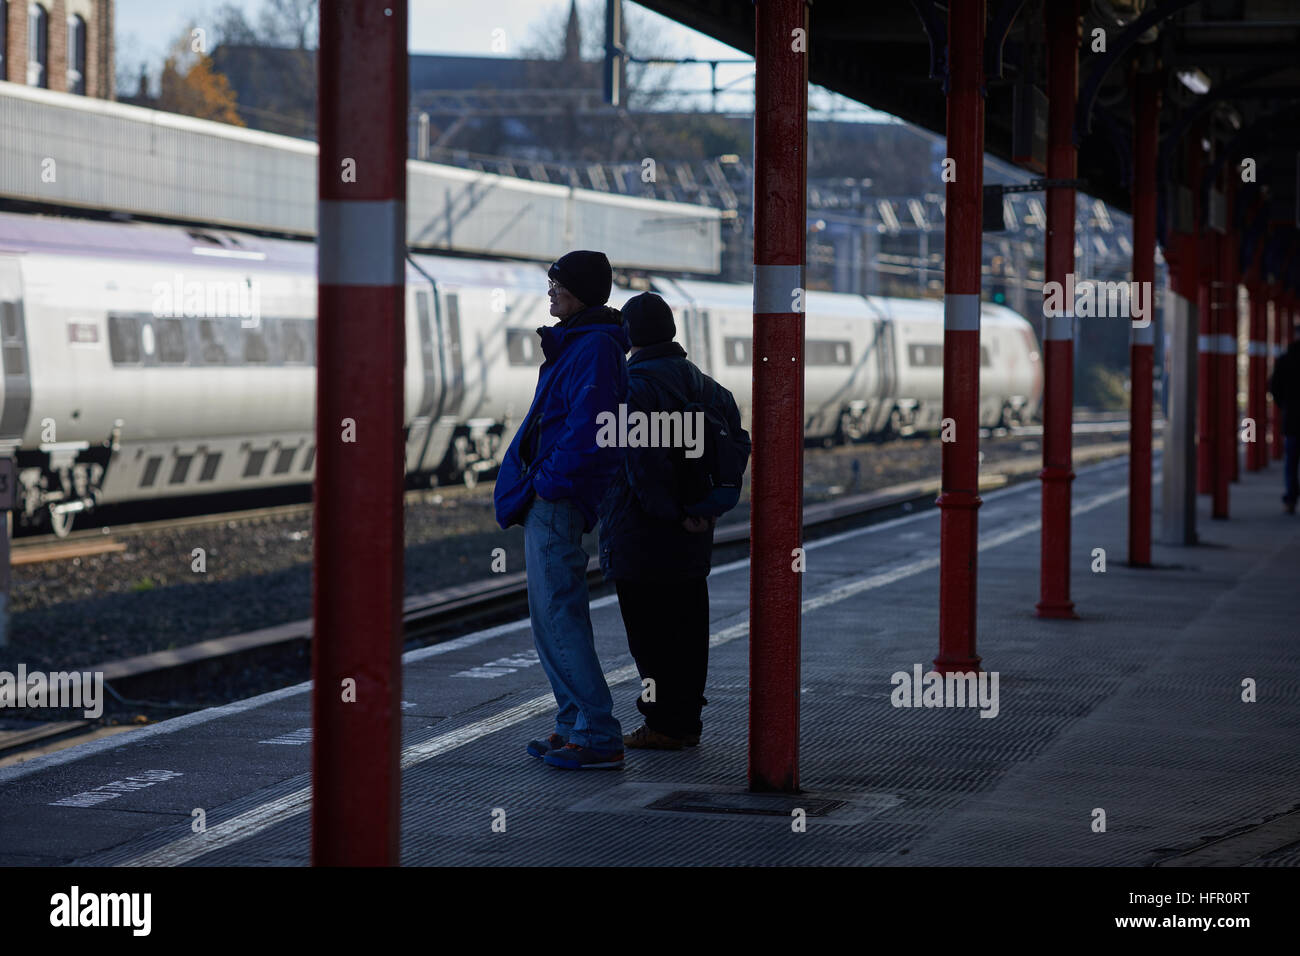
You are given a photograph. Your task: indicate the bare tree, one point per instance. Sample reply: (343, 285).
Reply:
(291, 23)
(230, 25)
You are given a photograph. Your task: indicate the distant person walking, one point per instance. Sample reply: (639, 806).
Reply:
(1285, 386)
(552, 480)
(652, 546)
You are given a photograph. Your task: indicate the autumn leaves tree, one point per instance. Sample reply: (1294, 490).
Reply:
(191, 86)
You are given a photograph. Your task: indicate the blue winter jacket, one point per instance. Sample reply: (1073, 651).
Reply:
(641, 533)
(554, 454)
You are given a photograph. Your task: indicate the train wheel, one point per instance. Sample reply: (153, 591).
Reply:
(61, 522)
(851, 428)
(896, 424)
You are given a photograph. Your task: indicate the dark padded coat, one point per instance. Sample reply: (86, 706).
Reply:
(641, 533)
(554, 454)
(1285, 386)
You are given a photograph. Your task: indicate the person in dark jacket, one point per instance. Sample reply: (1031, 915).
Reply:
(1285, 386)
(657, 555)
(552, 480)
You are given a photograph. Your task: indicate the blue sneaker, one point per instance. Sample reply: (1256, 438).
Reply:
(540, 748)
(577, 757)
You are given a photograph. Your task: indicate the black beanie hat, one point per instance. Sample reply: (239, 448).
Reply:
(584, 273)
(649, 320)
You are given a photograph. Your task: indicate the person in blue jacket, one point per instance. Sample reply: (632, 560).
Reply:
(657, 555)
(552, 480)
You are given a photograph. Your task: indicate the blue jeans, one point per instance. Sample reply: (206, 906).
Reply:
(558, 604)
(1292, 447)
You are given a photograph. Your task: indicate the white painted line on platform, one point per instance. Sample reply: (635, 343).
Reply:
(174, 724)
(292, 738)
(502, 666)
(111, 791)
(278, 811)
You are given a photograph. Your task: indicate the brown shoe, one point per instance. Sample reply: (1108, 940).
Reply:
(643, 738)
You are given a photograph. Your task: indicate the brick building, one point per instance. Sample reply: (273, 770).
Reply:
(63, 45)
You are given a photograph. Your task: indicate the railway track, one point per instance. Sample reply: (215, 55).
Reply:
(441, 615)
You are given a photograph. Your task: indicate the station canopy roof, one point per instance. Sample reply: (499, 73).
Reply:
(1231, 63)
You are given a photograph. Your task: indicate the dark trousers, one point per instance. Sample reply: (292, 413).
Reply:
(668, 634)
(1292, 447)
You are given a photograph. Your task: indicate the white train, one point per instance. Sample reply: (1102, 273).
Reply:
(146, 360)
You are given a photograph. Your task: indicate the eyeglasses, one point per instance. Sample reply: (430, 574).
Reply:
(555, 286)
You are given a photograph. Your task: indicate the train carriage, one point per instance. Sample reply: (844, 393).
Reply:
(143, 360)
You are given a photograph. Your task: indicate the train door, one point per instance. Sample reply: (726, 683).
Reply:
(425, 413)
(15, 404)
(887, 369)
(450, 321)
(703, 356)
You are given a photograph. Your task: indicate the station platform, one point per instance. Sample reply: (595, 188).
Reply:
(1132, 715)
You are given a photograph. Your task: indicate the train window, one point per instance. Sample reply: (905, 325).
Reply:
(523, 347)
(284, 461)
(255, 352)
(210, 463)
(985, 361)
(825, 353)
(925, 356)
(9, 319)
(150, 472)
(256, 461)
(737, 350)
(296, 341)
(171, 342)
(212, 342)
(181, 470)
(123, 339)
(310, 459)
(146, 338)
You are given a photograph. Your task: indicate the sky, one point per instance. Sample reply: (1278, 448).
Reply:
(146, 28)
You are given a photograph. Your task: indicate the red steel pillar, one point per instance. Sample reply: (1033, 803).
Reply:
(1062, 23)
(776, 482)
(1235, 369)
(1207, 259)
(963, 247)
(1207, 369)
(1280, 318)
(1146, 114)
(1257, 450)
(357, 552)
(1225, 358)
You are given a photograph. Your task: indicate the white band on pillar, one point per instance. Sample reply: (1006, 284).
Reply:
(361, 242)
(774, 289)
(1205, 343)
(1144, 334)
(1227, 344)
(961, 312)
(1257, 348)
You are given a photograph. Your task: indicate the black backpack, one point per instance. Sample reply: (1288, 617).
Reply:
(709, 486)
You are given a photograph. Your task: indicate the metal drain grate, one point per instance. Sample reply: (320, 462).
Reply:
(765, 804)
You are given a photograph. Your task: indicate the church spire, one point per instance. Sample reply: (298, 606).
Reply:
(573, 36)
